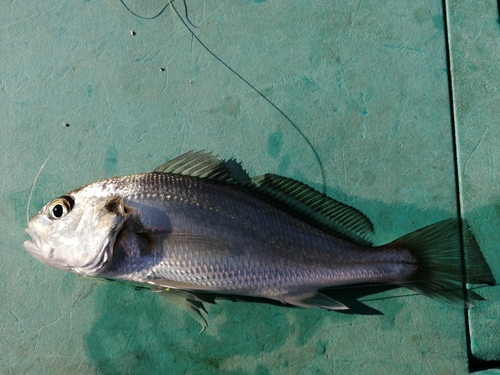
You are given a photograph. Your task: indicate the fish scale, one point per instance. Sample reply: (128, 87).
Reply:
(266, 231)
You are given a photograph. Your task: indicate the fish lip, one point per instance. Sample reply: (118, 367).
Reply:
(30, 246)
(34, 249)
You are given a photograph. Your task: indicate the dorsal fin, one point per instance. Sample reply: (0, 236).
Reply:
(199, 164)
(291, 196)
(311, 206)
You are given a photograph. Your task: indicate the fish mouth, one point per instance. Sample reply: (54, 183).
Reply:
(36, 249)
(32, 246)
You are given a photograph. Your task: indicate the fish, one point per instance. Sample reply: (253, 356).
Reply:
(193, 226)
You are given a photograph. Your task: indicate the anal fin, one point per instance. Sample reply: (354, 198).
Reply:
(315, 300)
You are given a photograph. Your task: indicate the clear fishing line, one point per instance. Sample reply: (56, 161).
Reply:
(40, 171)
(186, 22)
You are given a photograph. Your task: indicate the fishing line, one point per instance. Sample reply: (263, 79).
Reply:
(144, 17)
(288, 119)
(160, 12)
(40, 171)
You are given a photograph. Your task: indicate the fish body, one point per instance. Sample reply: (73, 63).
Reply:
(203, 235)
(190, 227)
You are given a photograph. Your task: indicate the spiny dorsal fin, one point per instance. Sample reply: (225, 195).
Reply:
(311, 206)
(199, 164)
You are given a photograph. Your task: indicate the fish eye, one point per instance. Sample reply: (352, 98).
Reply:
(60, 207)
(57, 210)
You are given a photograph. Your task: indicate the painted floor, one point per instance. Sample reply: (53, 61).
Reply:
(391, 107)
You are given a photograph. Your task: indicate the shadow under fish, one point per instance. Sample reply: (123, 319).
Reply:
(194, 227)
(349, 296)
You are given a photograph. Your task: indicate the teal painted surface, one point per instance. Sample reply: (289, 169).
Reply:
(475, 36)
(365, 82)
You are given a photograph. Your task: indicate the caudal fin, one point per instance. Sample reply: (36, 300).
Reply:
(440, 270)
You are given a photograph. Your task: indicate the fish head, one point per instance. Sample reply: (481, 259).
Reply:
(76, 232)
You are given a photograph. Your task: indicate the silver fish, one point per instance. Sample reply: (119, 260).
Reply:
(191, 227)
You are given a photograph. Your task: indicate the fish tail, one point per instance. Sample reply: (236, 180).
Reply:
(441, 272)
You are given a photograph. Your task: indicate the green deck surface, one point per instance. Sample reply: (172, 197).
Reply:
(475, 51)
(366, 82)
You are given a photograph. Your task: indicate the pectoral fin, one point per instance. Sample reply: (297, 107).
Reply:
(187, 302)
